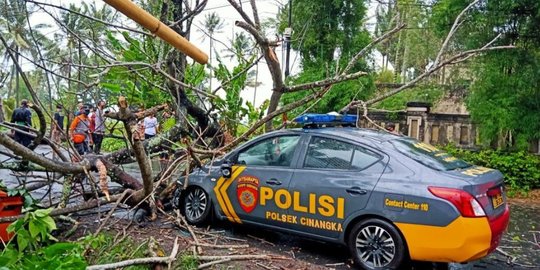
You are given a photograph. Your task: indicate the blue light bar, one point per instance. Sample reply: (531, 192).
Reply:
(325, 119)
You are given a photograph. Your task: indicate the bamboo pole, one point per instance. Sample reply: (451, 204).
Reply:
(158, 28)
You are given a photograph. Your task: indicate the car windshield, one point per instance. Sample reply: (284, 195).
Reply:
(429, 155)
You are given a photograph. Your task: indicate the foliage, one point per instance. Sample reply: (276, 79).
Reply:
(327, 35)
(504, 98)
(412, 49)
(112, 144)
(231, 107)
(188, 262)
(325, 28)
(521, 170)
(143, 87)
(104, 248)
(35, 247)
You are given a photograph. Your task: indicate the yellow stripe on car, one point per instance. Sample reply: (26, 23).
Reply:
(465, 239)
(223, 198)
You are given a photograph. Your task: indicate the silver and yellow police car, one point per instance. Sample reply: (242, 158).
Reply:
(388, 198)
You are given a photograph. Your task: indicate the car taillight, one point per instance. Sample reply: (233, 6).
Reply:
(466, 204)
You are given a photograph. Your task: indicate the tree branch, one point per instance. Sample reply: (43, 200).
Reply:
(255, 14)
(150, 260)
(326, 82)
(428, 72)
(241, 12)
(455, 26)
(372, 44)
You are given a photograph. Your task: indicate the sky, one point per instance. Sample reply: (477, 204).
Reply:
(267, 9)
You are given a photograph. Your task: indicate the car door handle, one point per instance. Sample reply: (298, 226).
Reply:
(273, 182)
(356, 191)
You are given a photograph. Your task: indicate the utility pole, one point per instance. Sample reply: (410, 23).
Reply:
(158, 28)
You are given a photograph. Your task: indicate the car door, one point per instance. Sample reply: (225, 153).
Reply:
(334, 179)
(260, 179)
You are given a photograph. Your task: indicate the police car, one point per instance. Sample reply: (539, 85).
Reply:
(389, 198)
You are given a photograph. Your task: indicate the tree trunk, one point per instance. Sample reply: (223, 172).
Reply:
(17, 87)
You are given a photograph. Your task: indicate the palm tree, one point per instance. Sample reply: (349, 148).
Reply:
(14, 27)
(212, 24)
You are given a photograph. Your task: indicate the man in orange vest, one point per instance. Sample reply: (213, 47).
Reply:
(79, 131)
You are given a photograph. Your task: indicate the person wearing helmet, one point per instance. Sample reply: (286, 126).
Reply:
(79, 131)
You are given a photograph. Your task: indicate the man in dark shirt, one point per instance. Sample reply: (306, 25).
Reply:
(58, 126)
(23, 118)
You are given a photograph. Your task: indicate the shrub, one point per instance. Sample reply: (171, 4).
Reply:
(112, 144)
(521, 170)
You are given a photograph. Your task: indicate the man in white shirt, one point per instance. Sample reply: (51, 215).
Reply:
(150, 126)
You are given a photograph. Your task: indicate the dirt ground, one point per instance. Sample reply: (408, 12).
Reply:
(520, 248)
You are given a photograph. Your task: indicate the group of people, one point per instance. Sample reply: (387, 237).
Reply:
(87, 129)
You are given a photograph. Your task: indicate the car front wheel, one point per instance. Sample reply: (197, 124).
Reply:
(196, 206)
(376, 244)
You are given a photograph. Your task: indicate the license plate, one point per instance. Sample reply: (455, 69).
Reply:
(497, 200)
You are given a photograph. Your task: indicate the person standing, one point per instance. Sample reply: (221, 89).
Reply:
(23, 118)
(58, 126)
(91, 128)
(150, 126)
(79, 131)
(80, 107)
(99, 126)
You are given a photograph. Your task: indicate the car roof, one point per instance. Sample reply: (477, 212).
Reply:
(353, 133)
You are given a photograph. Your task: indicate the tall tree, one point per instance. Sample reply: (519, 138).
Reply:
(14, 26)
(327, 34)
(212, 24)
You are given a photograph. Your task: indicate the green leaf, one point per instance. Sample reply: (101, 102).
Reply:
(49, 221)
(34, 228)
(42, 212)
(111, 86)
(22, 240)
(15, 226)
(59, 249)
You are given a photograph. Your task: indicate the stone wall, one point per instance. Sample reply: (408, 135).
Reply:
(435, 128)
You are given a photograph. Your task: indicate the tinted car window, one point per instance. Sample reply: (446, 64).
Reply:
(428, 155)
(275, 151)
(363, 158)
(334, 154)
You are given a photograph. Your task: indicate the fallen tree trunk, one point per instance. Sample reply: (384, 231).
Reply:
(130, 198)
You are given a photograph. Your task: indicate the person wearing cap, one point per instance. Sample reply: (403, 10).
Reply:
(79, 131)
(99, 126)
(22, 116)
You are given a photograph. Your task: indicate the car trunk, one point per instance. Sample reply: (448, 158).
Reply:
(487, 186)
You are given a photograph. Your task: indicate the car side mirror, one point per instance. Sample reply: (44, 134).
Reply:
(226, 169)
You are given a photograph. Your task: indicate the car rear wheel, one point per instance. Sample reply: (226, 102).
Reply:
(196, 206)
(376, 244)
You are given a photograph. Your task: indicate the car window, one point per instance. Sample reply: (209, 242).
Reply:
(363, 158)
(333, 154)
(275, 151)
(428, 155)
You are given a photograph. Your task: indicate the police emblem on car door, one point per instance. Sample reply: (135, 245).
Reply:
(261, 175)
